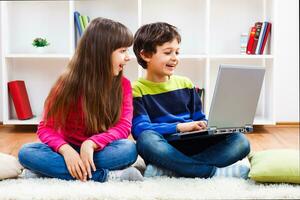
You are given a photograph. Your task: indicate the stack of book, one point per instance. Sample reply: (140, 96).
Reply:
(81, 22)
(258, 37)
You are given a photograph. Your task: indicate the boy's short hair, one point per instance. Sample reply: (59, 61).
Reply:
(149, 36)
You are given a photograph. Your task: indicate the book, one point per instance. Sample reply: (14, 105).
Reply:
(261, 36)
(81, 23)
(77, 22)
(258, 26)
(18, 93)
(85, 21)
(251, 40)
(268, 30)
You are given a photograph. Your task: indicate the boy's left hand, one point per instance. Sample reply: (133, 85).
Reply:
(87, 154)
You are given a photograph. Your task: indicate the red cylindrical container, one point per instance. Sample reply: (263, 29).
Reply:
(20, 99)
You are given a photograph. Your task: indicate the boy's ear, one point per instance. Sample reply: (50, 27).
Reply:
(146, 56)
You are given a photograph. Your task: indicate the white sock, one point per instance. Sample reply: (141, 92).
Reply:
(153, 170)
(234, 170)
(129, 174)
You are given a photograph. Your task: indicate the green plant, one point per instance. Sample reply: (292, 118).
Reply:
(40, 42)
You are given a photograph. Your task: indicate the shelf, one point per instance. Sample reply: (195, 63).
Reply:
(210, 31)
(262, 121)
(32, 121)
(187, 56)
(67, 56)
(233, 56)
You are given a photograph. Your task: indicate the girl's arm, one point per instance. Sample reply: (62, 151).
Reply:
(48, 135)
(122, 129)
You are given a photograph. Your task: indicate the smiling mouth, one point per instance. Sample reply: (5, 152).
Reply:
(121, 66)
(170, 65)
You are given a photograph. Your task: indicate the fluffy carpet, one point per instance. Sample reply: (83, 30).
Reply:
(152, 188)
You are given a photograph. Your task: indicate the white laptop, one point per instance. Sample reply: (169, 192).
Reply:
(234, 102)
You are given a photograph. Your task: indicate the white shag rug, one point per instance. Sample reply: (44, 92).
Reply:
(152, 188)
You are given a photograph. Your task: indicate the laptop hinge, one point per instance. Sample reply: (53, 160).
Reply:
(212, 130)
(249, 128)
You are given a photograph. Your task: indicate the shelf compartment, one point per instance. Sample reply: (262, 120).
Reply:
(190, 21)
(225, 23)
(37, 87)
(45, 20)
(265, 110)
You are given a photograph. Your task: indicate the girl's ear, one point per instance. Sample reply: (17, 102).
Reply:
(146, 56)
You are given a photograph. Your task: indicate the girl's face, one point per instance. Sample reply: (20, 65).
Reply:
(120, 57)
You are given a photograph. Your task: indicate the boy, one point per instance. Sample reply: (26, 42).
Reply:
(165, 104)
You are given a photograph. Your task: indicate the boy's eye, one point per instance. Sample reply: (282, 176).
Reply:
(123, 50)
(177, 52)
(168, 53)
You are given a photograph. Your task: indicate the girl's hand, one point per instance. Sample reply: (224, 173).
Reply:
(73, 161)
(86, 154)
(191, 126)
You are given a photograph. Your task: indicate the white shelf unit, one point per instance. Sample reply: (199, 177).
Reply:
(210, 31)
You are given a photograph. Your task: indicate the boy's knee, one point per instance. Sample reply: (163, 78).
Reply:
(146, 136)
(151, 142)
(243, 144)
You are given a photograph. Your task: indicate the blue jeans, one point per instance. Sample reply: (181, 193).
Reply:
(192, 158)
(40, 158)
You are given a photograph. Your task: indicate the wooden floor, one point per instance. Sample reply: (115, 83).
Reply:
(263, 137)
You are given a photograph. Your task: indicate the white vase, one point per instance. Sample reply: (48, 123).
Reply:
(41, 50)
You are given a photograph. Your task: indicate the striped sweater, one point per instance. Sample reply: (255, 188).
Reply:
(161, 106)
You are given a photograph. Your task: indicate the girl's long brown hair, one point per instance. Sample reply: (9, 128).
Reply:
(89, 80)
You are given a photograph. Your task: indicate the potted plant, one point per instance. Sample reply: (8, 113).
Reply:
(40, 44)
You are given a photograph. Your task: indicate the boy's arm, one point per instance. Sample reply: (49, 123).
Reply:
(195, 106)
(142, 122)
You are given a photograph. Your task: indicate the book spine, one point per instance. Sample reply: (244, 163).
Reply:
(256, 36)
(85, 21)
(251, 40)
(260, 39)
(77, 22)
(269, 25)
(17, 91)
(81, 23)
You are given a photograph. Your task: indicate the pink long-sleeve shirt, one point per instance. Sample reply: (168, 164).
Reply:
(75, 128)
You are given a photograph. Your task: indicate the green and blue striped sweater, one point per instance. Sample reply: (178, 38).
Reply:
(161, 106)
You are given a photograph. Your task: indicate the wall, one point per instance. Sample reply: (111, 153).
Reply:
(1, 105)
(287, 61)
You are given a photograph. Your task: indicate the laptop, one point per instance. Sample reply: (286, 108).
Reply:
(234, 102)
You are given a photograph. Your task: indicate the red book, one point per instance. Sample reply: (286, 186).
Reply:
(251, 40)
(20, 99)
(258, 26)
(265, 38)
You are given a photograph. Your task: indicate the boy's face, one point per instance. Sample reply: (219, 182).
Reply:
(162, 64)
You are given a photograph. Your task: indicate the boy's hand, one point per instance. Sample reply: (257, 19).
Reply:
(73, 161)
(191, 126)
(86, 154)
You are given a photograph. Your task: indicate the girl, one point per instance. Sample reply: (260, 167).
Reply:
(87, 115)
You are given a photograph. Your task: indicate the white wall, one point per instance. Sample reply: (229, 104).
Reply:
(1, 105)
(286, 52)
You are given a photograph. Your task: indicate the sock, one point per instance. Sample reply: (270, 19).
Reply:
(129, 174)
(27, 173)
(152, 170)
(234, 170)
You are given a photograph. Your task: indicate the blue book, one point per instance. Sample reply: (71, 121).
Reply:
(261, 37)
(77, 22)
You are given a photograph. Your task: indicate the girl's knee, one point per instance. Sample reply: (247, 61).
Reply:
(27, 151)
